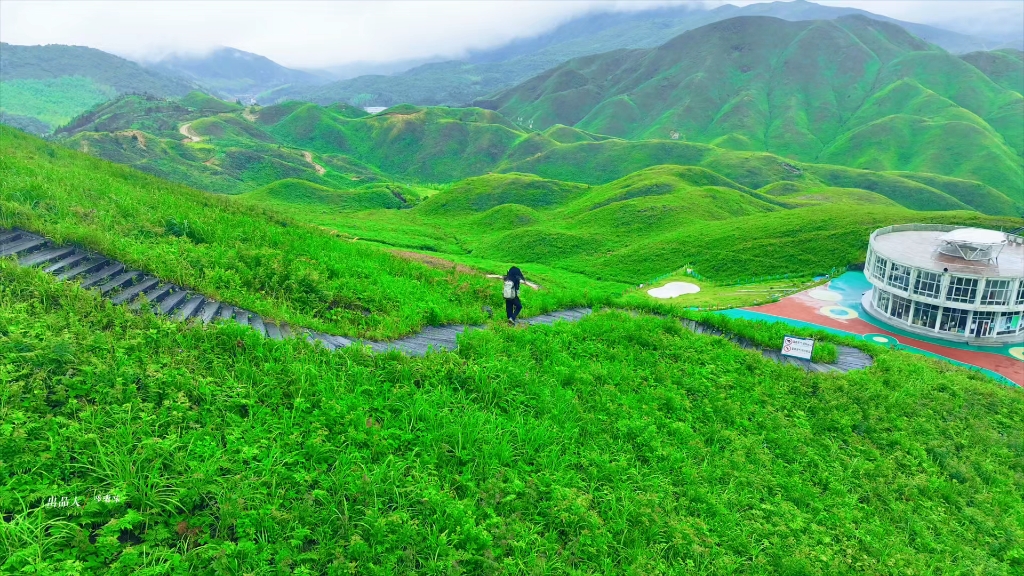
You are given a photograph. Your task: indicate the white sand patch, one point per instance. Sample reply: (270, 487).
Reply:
(673, 289)
(825, 295)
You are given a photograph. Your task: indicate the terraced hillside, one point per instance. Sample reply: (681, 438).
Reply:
(852, 92)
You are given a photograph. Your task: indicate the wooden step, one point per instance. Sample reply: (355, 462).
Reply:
(191, 306)
(172, 301)
(273, 332)
(226, 312)
(209, 311)
(45, 256)
(257, 324)
(134, 290)
(104, 273)
(120, 281)
(153, 296)
(25, 245)
(85, 267)
(74, 258)
(10, 236)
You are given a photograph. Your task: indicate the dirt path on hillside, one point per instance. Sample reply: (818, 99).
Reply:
(309, 158)
(441, 263)
(189, 134)
(248, 115)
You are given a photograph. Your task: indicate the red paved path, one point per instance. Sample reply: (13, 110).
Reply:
(805, 308)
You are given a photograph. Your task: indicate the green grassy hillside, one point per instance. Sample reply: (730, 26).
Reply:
(853, 92)
(1004, 67)
(615, 445)
(54, 83)
(248, 257)
(646, 224)
(241, 150)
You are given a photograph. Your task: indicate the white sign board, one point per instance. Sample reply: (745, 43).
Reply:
(797, 347)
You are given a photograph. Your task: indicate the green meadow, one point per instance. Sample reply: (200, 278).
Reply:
(750, 157)
(616, 445)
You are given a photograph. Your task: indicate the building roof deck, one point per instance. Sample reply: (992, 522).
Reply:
(920, 249)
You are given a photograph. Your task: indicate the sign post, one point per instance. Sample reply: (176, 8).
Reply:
(797, 347)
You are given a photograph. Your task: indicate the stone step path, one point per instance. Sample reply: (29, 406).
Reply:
(134, 288)
(847, 357)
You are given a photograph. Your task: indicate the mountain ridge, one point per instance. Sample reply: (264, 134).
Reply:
(756, 83)
(482, 72)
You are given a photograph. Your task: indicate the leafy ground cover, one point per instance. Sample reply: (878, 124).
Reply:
(615, 445)
(251, 258)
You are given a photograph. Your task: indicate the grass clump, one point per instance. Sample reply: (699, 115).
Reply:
(235, 253)
(614, 445)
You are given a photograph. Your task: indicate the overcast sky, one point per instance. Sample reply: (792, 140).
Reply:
(325, 33)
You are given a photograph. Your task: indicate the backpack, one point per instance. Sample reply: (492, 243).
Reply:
(509, 291)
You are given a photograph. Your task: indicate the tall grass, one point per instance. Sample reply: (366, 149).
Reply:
(614, 445)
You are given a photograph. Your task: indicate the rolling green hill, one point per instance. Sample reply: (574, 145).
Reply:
(1005, 67)
(458, 82)
(341, 147)
(851, 91)
(54, 83)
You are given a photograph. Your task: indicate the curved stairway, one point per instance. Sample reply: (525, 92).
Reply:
(120, 285)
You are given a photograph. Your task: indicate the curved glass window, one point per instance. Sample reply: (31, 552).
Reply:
(900, 308)
(928, 284)
(899, 277)
(996, 292)
(962, 290)
(1020, 294)
(953, 320)
(925, 315)
(882, 300)
(880, 268)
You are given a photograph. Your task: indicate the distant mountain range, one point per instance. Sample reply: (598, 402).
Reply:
(852, 103)
(853, 91)
(231, 73)
(46, 86)
(458, 82)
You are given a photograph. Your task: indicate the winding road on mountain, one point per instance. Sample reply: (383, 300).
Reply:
(189, 134)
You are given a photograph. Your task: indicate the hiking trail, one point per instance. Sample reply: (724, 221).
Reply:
(115, 282)
(189, 134)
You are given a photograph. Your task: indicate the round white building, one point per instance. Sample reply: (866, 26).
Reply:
(948, 282)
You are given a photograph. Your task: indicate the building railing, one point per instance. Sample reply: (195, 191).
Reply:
(1013, 238)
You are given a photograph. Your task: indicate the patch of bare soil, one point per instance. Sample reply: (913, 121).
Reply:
(309, 158)
(434, 261)
(138, 135)
(189, 134)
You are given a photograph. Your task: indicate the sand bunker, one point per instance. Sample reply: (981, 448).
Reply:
(673, 289)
